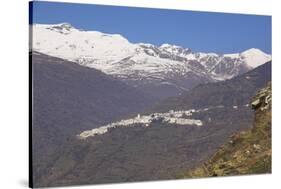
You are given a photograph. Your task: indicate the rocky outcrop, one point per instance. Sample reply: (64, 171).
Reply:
(262, 101)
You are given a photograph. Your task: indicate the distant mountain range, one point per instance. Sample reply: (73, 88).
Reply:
(161, 71)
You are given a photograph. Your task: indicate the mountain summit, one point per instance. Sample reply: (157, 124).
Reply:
(163, 71)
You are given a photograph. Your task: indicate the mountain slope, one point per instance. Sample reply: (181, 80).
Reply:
(161, 150)
(163, 71)
(233, 92)
(69, 98)
(247, 152)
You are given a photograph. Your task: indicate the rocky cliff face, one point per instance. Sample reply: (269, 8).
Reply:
(248, 152)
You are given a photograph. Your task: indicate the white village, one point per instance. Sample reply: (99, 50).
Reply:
(172, 117)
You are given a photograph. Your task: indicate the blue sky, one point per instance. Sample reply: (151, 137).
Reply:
(200, 31)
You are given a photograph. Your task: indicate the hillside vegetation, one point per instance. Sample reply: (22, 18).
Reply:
(248, 152)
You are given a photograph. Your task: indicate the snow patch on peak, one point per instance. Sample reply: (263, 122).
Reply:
(252, 51)
(146, 45)
(255, 57)
(201, 55)
(63, 28)
(72, 44)
(175, 49)
(165, 45)
(65, 25)
(169, 46)
(233, 55)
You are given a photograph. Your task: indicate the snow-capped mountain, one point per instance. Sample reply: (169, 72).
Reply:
(164, 70)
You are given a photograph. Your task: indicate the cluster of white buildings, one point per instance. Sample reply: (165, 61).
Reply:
(172, 117)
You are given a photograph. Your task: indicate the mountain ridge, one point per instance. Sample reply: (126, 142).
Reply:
(164, 71)
(232, 92)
